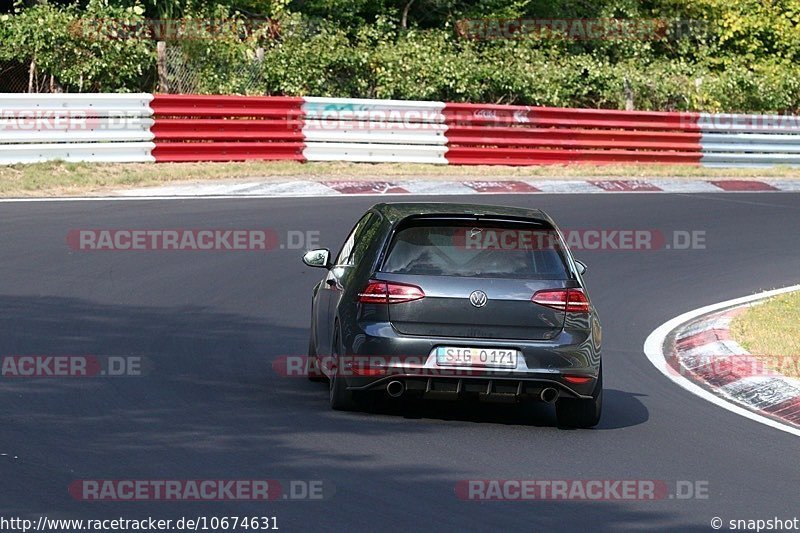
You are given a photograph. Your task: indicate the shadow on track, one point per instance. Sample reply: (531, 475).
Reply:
(213, 407)
(621, 409)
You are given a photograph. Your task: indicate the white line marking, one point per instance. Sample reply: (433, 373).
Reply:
(654, 350)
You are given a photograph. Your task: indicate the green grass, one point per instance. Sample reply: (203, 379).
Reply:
(771, 332)
(70, 179)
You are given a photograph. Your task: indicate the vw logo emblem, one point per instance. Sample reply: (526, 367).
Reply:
(478, 298)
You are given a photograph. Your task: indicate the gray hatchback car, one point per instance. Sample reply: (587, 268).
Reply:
(441, 300)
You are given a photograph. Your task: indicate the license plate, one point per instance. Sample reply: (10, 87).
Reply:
(460, 356)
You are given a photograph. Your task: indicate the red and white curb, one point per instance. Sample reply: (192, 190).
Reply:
(268, 189)
(696, 351)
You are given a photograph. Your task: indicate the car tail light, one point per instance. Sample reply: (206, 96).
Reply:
(382, 292)
(569, 300)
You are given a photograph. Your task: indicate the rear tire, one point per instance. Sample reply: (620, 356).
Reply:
(312, 364)
(341, 399)
(579, 412)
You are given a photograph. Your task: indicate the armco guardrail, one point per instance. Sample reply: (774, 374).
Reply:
(341, 129)
(75, 127)
(749, 140)
(227, 128)
(175, 128)
(350, 129)
(520, 135)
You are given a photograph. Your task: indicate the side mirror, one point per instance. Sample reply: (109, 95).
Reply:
(581, 267)
(318, 258)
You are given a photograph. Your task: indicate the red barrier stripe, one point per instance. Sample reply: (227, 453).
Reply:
(216, 111)
(227, 130)
(267, 128)
(471, 134)
(522, 135)
(184, 105)
(227, 151)
(544, 141)
(583, 123)
(503, 108)
(510, 156)
(488, 113)
(465, 114)
(205, 100)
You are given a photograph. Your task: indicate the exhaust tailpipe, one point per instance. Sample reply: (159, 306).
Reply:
(395, 389)
(549, 395)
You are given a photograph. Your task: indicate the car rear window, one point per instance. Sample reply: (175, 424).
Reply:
(490, 250)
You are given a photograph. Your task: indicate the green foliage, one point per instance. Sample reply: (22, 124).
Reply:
(64, 42)
(712, 55)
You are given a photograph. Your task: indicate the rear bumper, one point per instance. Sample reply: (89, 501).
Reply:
(393, 356)
(484, 388)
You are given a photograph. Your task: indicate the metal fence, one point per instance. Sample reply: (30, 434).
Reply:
(18, 77)
(183, 68)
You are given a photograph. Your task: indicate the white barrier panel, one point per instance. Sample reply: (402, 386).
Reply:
(756, 141)
(91, 127)
(88, 104)
(751, 148)
(746, 165)
(375, 153)
(321, 130)
(135, 152)
(751, 158)
(390, 131)
(752, 138)
(75, 129)
(733, 123)
(373, 110)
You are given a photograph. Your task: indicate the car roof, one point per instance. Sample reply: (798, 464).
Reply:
(398, 211)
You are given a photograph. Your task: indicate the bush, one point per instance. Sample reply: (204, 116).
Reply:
(63, 43)
(739, 57)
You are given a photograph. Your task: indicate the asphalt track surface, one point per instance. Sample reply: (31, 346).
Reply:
(212, 406)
